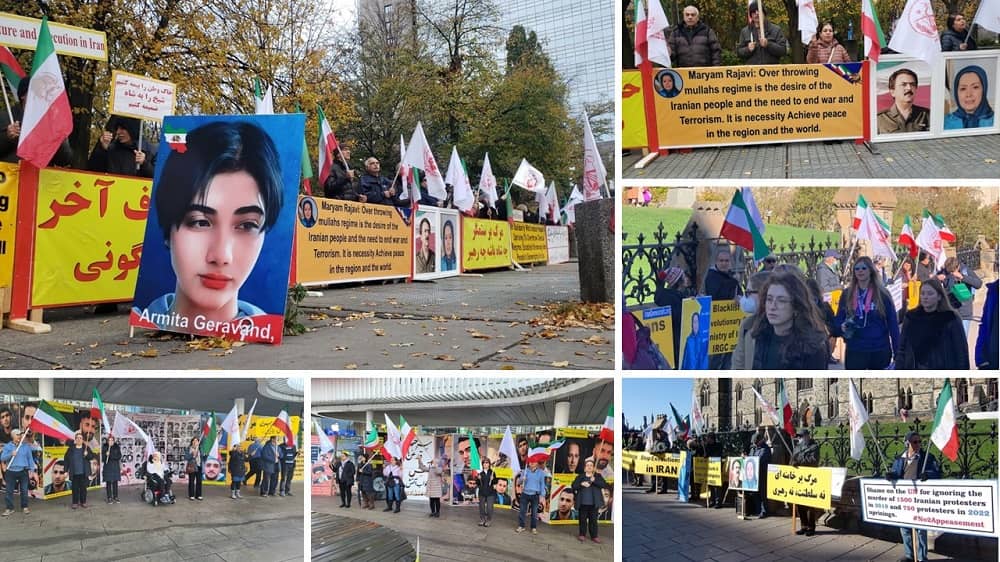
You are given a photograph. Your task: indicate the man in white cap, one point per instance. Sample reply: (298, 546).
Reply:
(19, 463)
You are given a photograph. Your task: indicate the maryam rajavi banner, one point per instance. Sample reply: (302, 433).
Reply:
(217, 249)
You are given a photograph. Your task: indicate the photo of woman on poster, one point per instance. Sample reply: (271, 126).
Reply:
(307, 212)
(218, 239)
(425, 252)
(970, 94)
(449, 261)
(695, 346)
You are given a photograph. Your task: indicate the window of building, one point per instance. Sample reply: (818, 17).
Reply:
(869, 401)
(739, 391)
(706, 394)
(804, 384)
(833, 400)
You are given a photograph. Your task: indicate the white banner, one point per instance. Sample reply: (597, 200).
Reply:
(22, 33)
(557, 239)
(141, 97)
(966, 507)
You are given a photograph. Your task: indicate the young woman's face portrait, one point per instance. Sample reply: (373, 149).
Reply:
(667, 81)
(307, 209)
(970, 91)
(216, 246)
(449, 239)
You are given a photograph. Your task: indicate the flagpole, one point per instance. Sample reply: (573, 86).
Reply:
(6, 101)
(23, 435)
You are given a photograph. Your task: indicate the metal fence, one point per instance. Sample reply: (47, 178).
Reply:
(652, 253)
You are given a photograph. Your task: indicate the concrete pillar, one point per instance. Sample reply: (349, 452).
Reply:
(562, 415)
(240, 407)
(369, 416)
(596, 250)
(46, 390)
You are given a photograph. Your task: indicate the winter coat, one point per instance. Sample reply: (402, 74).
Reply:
(698, 46)
(827, 278)
(816, 359)
(269, 457)
(988, 341)
(8, 146)
(72, 453)
(237, 465)
(972, 280)
(590, 495)
(486, 478)
(373, 187)
(366, 480)
(951, 39)
(721, 286)
(932, 340)
(820, 52)
(339, 184)
(111, 458)
(924, 272)
(805, 454)
(777, 45)
(930, 466)
(346, 476)
(119, 158)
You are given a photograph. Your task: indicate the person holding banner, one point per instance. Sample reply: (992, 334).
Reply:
(970, 89)
(589, 489)
(111, 458)
(913, 464)
(692, 43)
(713, 449)
(825, 49)
(787, 331)
(866, 318)
(806, 453)
(117, 150)
(932, 335)
(756, 49)
(957, 36)
(671, 284)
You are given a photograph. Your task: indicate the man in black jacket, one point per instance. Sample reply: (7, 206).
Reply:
(806, 453)
(374, 186)
(722, 285)
(289, 453)
(117, 151)
(692, 43)
(713, 449)
(345, 478)
(340, 183)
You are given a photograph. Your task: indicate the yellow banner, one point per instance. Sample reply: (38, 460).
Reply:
(529, 243)
(263, 427)
(716, 470)
(912, 296)
(725, 327)
(485, 243)
(88, 237)
(833, 297)
(805, 485)
(757, 104)
(572, 433)
(348, 241)
(633, 113)
(8, 221)
(628, 460)
(666, 464)
(700, 465)
(661, 328)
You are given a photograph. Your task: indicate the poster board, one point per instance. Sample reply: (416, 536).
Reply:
(633, 133)
(529, 243)
(141, 97)
(9, 174)
(966, 507)
(436, 244)
(557, 243)
(744, 473)
(21, 32)
(804, 485)
(485, 244)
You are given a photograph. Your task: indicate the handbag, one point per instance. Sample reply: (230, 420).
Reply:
(961, 292)
(190, 468)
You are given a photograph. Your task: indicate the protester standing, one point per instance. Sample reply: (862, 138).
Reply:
(77, 464)
(111, 473)
(670, 286)
(932, 335)
(957, 36)
(713, 449)
(19, 462)
(253, 451)
(914, 464)
(589, 499)
(825, 49)
(237, 469)
(960, 283)
(270, 459)
(366, 482)
(866, 318)
(346, 472)
(194, 456)
(753, 48)
(487, 493)
(762, 451)
(692, 43)
(289, 456)
(787, 331)
(806, 453)
(749, 304)
(534, 487)
(721, 284)
(393, 473)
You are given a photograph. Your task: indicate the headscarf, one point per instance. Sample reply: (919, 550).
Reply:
(984, 111)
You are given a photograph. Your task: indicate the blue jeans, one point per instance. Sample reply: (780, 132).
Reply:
(392, 493)
(908, 543)
(16, 479)
(528, 503)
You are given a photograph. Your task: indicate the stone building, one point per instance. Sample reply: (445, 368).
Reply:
(728, 403)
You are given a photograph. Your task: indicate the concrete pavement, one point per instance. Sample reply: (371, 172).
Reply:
(218, 528)
(500, 320)
(455, 536)
(948, 159)
(658, 527)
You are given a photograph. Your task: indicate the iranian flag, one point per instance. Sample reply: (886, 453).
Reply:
(859, 214)
(906, 238)
(50, 422)
(931, 240)
(213, 451)
(208, 442)
(459, 179)
(418, 155)
(407, 436)
(656, 42)
(475, 463)
(371, 438)
(392, 448)
(327, 144)
(488, 182)
(97, 412)
(945, 432)
(608, 430)
(743, 226)
(406, 172)
(872, 30)
(541, 453)
(47, 119)
(641, 45)
(12, 71)
(859, 417)
(785, 408)
(325, 445)
(305, 165)
(946, 234)
(284, 425)
(263, 103)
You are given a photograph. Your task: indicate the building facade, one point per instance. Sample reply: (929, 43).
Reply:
(730, 403)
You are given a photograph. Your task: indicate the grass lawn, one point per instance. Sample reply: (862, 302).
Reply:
(647, 220)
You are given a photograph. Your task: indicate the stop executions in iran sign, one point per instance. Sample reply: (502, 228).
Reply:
(758, 104)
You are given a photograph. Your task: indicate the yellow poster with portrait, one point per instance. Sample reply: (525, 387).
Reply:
(485, 243)
(633, 112)
(529, 242)
(342, 241)
(758, 104)
(9, 174)
(88, 237)
(262, 427)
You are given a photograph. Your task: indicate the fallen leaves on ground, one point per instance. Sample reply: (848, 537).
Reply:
(351, 366)
(444, 357)
(148, 353)
(560, 364)
(122, 354)
(468, 366)
(597, 316)
(379, 332)
(213, 343)
(477, 334)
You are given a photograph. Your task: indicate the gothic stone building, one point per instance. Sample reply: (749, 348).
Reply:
(730, 403)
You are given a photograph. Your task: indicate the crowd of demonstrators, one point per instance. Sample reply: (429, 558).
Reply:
(914, 463)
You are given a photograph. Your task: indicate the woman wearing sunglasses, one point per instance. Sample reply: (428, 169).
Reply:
(866, 318)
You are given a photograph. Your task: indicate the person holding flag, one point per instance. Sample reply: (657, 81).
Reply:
(269, 464)
(761, 42)
(932, 336)
(533, 488)
(111, 467)
(289, 456)
(19, 460)
(958, 36)
(77, 464)
(914, 464)
(195, 459)
(866, 318)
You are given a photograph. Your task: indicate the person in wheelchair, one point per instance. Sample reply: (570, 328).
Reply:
(158, 480)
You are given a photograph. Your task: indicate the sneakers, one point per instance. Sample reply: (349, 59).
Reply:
(7, 512)
(74, 506)
(199, 498)
(25, 511)
(191, 498)
(519, 530)
(83, 506)
(581, 538)
(282, 494)
(233, 495)
(487, 524)
(117, 500)
(534, 531)
(239, 495)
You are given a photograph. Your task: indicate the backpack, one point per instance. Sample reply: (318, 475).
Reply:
(647, 354)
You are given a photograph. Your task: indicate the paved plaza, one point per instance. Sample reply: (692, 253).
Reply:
(216, 529)
(946, 159)
(454, 323)
(658, 527)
